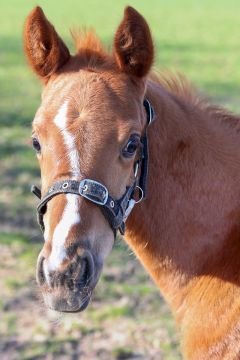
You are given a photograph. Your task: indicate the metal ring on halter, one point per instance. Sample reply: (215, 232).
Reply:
(142, 194)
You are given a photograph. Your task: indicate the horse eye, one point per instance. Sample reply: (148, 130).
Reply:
(36, 145)
(130, 149)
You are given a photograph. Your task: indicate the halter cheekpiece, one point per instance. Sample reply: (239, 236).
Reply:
(115, 211)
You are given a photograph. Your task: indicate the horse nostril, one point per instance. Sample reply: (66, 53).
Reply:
(84, 272)
(78, 276)
(84, 275)
(40, 273)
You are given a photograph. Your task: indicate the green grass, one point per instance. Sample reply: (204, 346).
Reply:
(197, 38)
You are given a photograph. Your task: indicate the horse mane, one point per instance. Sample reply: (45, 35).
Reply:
(179, 86)
(89, 47)
(87, 40)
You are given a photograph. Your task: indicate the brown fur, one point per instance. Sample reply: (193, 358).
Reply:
(133, 46)
(45, 50)
(186, 233)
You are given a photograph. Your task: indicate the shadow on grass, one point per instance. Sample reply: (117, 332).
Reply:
(18, 216)
(12, 118)
(9, 239)
(12, 149)
(12, 174)
(66, 348)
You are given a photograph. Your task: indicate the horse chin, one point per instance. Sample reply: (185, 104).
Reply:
(72, 303)
(84, 305)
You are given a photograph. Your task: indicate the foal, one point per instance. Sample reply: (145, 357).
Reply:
(90, 125)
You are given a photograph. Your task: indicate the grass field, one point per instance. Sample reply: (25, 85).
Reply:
(127, 318)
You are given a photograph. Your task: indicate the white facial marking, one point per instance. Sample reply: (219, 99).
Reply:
(60, 121)
(70, 214)
(46, 272)
(69, 218)
(46, 230)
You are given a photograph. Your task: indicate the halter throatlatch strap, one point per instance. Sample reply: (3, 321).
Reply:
(115, 211)
(144, 162)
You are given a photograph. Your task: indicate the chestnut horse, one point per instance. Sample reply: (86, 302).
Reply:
(90, 125)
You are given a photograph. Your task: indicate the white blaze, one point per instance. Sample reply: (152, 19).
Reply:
(70, 214)
(60, 121)
(69, 218)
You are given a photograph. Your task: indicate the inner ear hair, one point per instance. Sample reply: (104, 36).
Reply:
(44, 49)
(133, 45)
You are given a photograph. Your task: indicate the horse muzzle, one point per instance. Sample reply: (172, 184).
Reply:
(69, 288)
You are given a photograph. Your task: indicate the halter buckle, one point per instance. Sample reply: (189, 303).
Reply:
(93, 191)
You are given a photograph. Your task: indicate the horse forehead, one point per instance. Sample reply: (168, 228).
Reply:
(89, 95)
(84, 86)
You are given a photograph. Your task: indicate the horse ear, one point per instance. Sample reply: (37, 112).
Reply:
(44, 49)
(133, 45)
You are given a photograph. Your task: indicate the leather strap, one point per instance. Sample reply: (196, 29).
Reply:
(113, 210)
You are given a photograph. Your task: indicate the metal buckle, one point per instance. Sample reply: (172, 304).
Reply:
(129, 208)
(136, 167)
(91, 195)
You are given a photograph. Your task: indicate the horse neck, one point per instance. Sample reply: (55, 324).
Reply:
(186, 233)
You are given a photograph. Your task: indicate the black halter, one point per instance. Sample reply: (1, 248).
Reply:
(115, 211)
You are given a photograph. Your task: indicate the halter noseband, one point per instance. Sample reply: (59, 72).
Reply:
(115, 211)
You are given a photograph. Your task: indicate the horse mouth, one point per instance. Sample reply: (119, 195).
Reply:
(66, 303)
(83, 306)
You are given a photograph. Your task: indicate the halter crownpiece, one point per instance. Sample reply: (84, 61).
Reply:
(115, 211)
